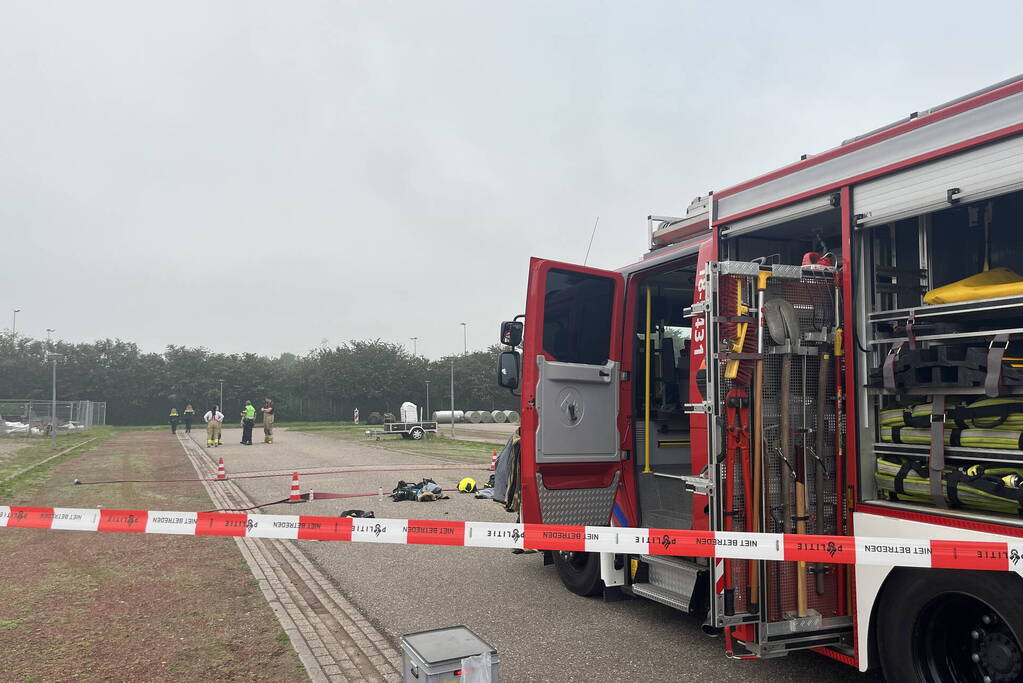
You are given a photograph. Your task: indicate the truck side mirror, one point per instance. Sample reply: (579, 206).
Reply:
(511, 333)
(508, 370)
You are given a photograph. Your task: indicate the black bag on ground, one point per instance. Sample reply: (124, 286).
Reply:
(357, 513)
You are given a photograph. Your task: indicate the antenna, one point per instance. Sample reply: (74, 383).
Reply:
(590, 246)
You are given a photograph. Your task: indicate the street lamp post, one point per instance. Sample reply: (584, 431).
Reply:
(221, 394)
(53, 397)
(465, 338)
(428, 417)
(14, 322)
(414, 340)
(452, 398)
(53, 402)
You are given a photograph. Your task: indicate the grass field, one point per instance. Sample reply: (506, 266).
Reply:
(20, 453)
(434, 445)
(118, 607)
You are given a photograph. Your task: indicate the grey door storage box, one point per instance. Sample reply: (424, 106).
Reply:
(434, 656)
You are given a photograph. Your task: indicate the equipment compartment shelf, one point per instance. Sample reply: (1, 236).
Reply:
(949, 391)
(962, 334)
(966, 310)
(1003, 455)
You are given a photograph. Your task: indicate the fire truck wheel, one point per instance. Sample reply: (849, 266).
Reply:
(580, 572)
(946, 625)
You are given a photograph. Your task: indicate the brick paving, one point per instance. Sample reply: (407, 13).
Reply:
(333, 639)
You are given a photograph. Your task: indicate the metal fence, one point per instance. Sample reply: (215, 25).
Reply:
(29, 417)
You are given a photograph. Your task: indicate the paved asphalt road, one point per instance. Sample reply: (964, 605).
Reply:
(541, 631)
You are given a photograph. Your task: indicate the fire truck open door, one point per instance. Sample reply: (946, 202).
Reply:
(571, 368)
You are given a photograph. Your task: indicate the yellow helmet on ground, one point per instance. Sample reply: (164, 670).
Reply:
(467, 485)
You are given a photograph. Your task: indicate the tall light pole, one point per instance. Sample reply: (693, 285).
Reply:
(414, 340)
(452, 397)
(221, 394)
(465, 338)
(53, 398)
(428, 416)
(14, 322)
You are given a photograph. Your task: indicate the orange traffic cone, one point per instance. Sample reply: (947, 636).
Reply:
(296, 494)
(221, 472)
(493, 461)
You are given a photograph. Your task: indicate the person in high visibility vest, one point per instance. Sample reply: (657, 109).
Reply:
(248, 421)
(268, 420)
(174, 420)
(189, 416)
(214, 419)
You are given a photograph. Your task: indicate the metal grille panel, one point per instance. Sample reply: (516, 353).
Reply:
(590, 506)
(814, 303)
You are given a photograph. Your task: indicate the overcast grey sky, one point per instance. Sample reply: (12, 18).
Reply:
(259, 176)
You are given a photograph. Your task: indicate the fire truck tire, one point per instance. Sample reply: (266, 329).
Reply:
(947, 625)
(580, 572)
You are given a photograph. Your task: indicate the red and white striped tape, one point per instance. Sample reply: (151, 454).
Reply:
(989, 555)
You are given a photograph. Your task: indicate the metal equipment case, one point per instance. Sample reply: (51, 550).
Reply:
(435, 656)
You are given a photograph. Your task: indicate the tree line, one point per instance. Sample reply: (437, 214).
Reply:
(328, 383)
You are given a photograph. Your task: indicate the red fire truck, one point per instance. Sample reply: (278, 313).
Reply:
(828, 348)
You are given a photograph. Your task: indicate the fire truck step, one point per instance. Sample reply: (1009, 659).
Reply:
(672, 581)
(665, 597)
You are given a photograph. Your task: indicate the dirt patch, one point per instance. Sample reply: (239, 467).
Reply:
(102, 606)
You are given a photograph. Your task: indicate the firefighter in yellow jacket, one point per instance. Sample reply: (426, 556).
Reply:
(248, 422)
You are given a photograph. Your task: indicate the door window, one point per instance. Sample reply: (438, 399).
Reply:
(577, 317)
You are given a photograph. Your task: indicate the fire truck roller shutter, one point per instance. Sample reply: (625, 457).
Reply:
(807, 208)
(950, 625)
(980, 173)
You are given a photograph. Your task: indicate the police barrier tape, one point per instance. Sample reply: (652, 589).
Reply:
(902, 552)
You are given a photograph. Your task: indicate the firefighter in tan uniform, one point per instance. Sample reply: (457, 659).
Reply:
(214, 419)
(268, 420)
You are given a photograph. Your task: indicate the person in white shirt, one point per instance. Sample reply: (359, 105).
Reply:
(214, 419)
